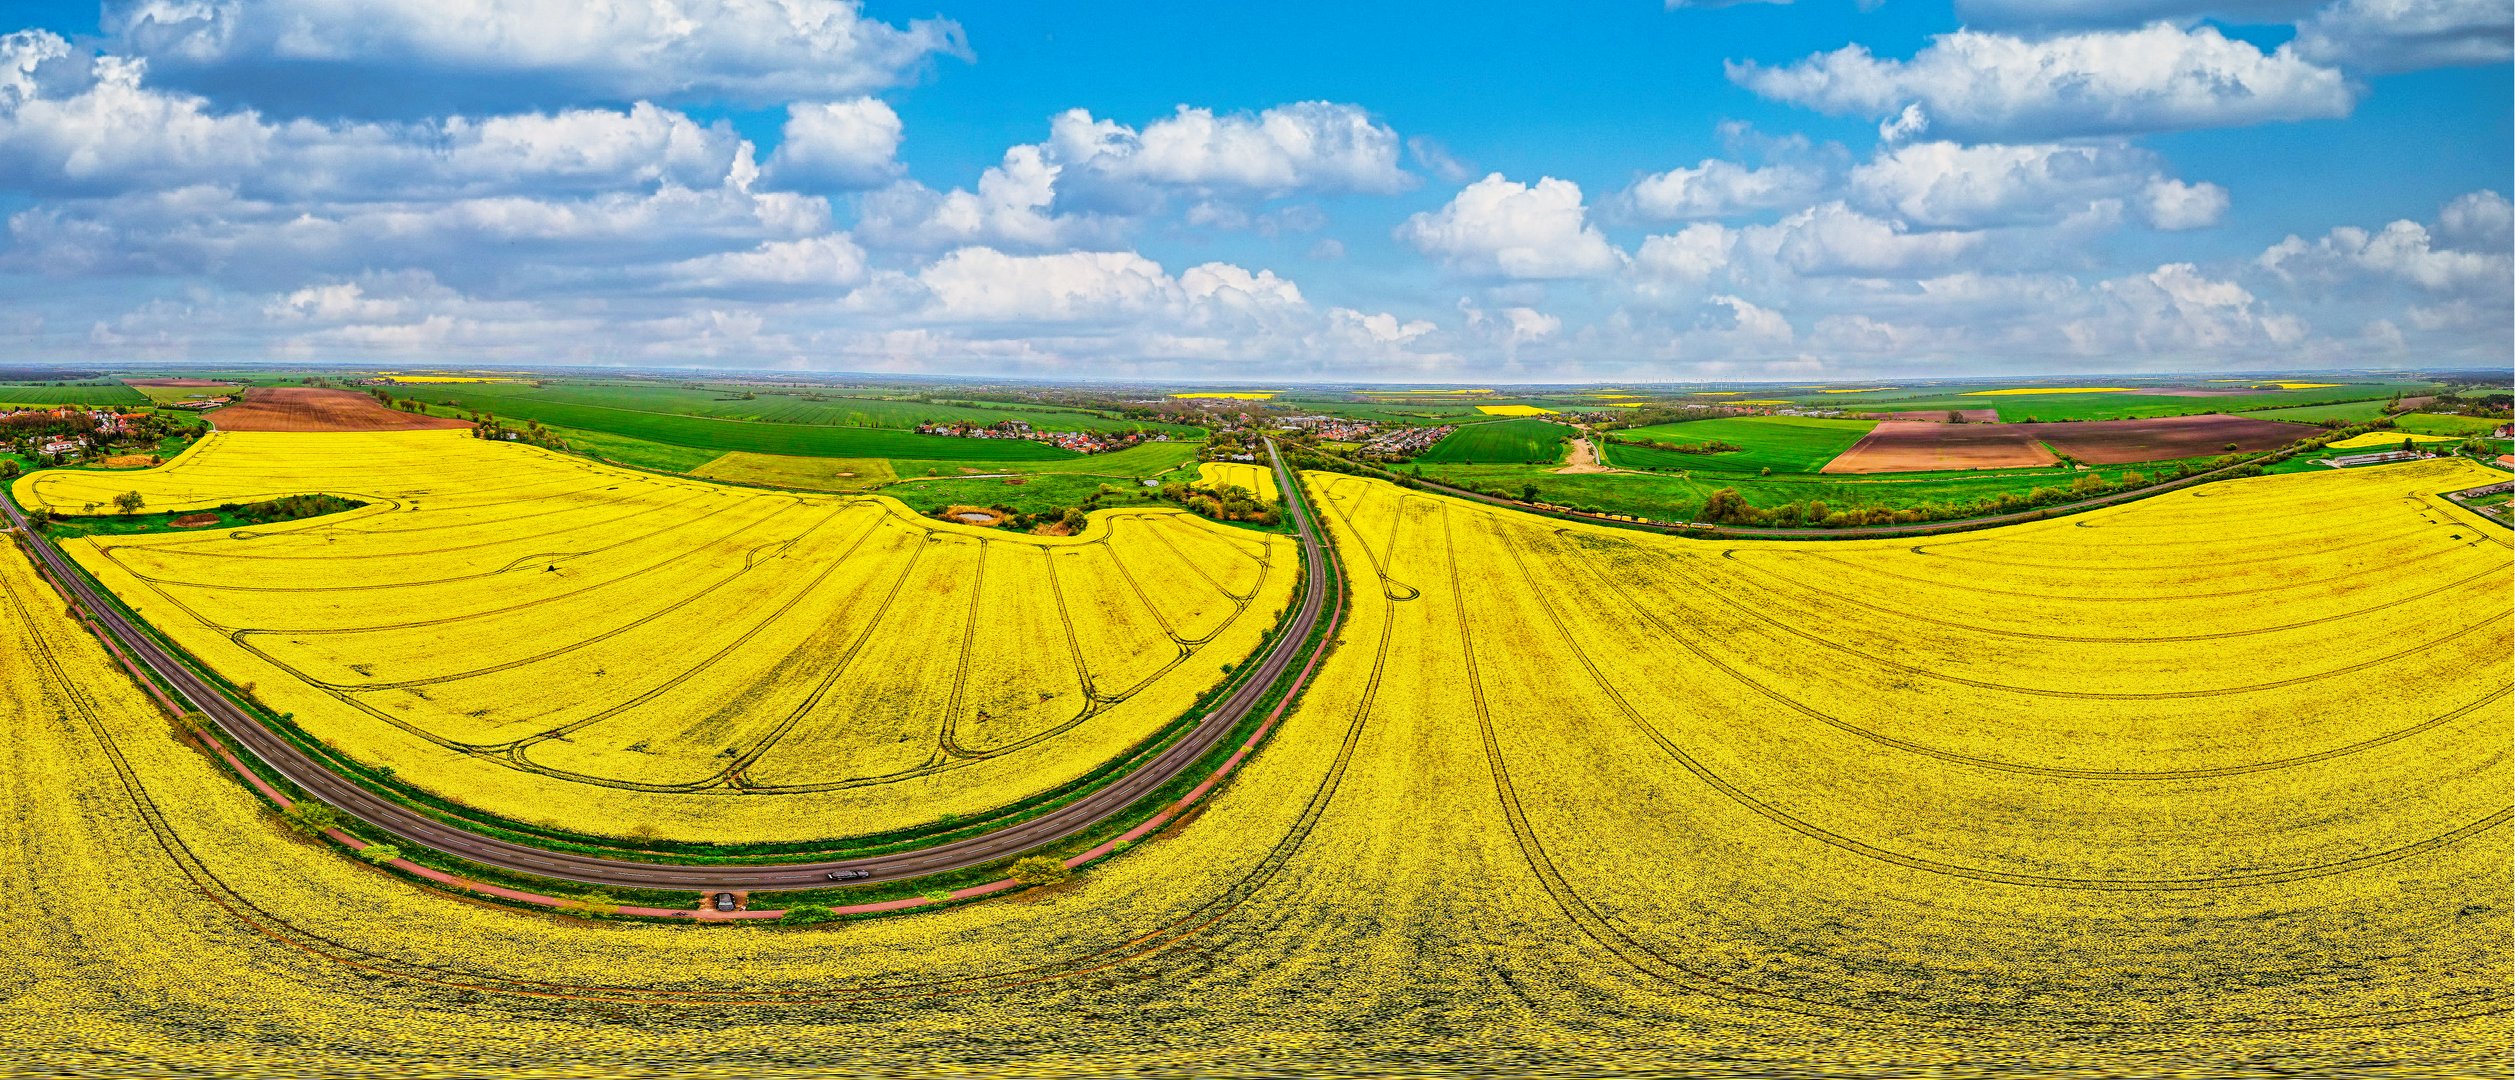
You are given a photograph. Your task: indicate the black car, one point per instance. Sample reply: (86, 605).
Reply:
(724, 901)
(848, 875)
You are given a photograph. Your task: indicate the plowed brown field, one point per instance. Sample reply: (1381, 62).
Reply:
(2163, 438)
(310, 408)
(1916, 445)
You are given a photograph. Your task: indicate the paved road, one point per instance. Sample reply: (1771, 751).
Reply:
(284, 757)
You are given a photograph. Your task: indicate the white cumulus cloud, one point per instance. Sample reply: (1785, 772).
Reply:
(1988, 86)
(1304, 146)
(1952, 185)
(837, 144)
(1717, 188)
(1502, 228)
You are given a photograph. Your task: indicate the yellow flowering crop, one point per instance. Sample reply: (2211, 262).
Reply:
(606, 651)
(1513, 410)
(1255, 479)
(2386, 438)
(2187, 786)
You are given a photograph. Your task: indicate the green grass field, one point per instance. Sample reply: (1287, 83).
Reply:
(2444, 424)
(2347, 412)
(82, 394)
(720, 435)
(1501, 441)
(766, 405)
(1795, 444)
(165, 394)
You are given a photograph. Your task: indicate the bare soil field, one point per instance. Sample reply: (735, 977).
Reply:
(309, 408)
(1918, 445)
(1938, 416)
(2120, 442)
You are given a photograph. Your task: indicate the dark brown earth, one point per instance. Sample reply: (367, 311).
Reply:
(2162, 438)
(311, 408)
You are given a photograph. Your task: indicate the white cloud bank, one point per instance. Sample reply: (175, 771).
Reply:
(750, 51)
(1979, 86)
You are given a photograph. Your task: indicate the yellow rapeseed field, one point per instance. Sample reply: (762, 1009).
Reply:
(629, 654)
(1513, 410)
(2213, 784)
(1257, 480)
(2386, 438)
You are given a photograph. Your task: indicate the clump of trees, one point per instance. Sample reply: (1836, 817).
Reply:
(285, 508)
(1708, 446)
(1223, 502)
(488, 426)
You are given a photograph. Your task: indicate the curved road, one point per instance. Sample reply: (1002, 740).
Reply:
(413, 827)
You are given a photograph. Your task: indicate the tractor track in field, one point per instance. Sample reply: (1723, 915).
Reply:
(284, 757)
(1674, 966)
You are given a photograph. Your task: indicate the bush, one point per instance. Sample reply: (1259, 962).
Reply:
(936, 896)
(807, 915)
(379, 854)
(312, 818)
(1041, 870)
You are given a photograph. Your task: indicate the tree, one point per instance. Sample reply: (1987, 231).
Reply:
(1041, 870)
(9, 469)
(129, 502)
(1726, 506)
(1528, 493)
(1955, 416)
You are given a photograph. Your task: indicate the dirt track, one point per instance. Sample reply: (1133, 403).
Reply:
(310, 408)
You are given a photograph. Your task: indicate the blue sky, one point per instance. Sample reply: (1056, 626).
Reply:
(1261, 192)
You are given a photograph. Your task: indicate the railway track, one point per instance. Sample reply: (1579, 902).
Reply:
(1285, 654)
